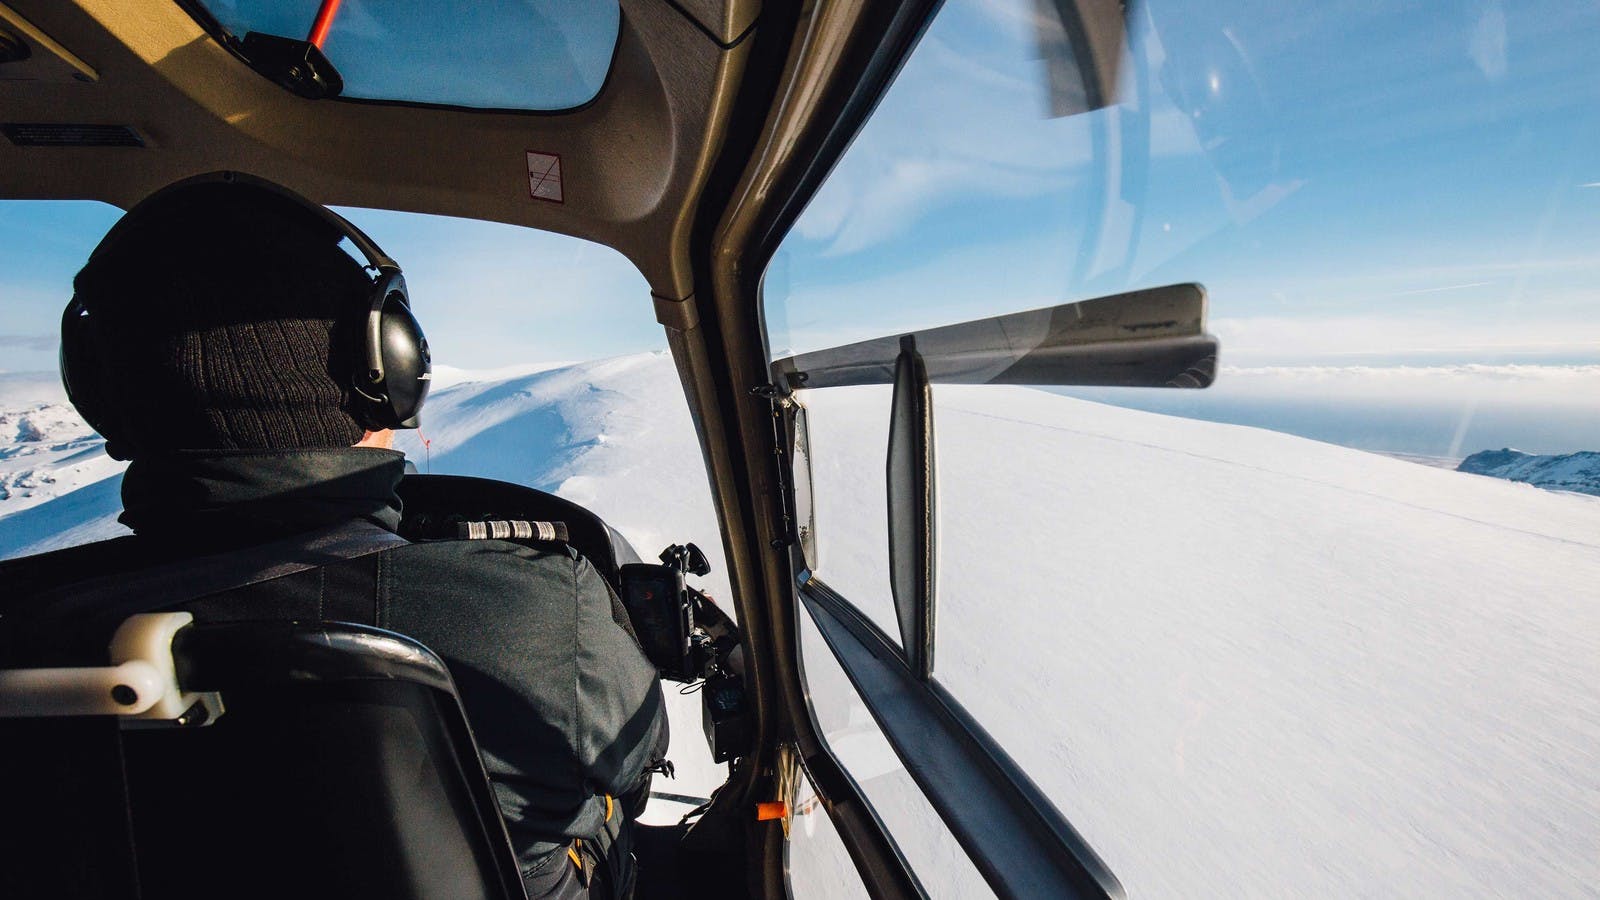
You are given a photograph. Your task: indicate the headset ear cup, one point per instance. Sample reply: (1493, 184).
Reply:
(395, 369)
(407, 364)
(80, 364)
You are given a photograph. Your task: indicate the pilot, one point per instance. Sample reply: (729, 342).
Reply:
(225, 359)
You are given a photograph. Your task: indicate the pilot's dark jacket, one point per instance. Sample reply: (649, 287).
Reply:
(564, 704)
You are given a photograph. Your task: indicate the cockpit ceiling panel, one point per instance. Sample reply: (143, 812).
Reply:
(631, 161)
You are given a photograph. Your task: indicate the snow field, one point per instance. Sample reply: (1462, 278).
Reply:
(47, 454)
(1244, 663)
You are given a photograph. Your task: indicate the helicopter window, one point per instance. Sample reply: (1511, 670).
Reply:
(542, 55)
(45, 448)
(859, 745)
(496, 296)
(854, 551)
(1258, 618)
(817, 861)
(44, 243)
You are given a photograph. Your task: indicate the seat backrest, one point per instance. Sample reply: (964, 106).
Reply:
(342, 766)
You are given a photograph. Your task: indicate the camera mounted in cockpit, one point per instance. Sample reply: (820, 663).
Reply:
(689, 639)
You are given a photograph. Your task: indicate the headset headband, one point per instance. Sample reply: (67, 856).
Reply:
(377, 260)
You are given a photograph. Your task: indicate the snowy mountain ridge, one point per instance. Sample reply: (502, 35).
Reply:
(1577, 472)
(46, 453)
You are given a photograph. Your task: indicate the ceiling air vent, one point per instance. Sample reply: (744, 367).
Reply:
(50, 134)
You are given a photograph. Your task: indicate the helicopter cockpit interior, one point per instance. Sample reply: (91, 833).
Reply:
(1005, 604)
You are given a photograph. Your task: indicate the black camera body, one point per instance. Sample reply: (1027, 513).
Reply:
(662, 611)
(688, 639)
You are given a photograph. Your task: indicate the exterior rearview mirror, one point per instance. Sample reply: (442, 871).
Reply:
(1148, 338)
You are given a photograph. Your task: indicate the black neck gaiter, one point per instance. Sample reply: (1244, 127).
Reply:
(216, 495)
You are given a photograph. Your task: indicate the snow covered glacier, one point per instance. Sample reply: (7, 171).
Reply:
(1242, 663)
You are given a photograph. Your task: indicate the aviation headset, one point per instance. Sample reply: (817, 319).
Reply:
(391, 367)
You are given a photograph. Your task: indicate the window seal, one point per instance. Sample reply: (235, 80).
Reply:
(1021, 844)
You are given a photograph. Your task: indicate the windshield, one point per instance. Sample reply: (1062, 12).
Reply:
(500, 54)
(549, 371)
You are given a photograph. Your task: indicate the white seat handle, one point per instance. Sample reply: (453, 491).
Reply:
(140, 683)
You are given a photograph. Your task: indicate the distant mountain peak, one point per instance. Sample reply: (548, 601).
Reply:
(1578, 472)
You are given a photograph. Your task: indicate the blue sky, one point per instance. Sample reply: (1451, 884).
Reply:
(488, 294)
(1335, 163)
(1393, 206)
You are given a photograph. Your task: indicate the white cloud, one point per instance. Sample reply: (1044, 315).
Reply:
(39, 342)
(1440, 290)
(952, 127)
(1328, 338)
(1512, 372)
(911, 187)
(1559, 386)
(1488, 44)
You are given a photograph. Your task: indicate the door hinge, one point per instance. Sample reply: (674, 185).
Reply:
(780, 405)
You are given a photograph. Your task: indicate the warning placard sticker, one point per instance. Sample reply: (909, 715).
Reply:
(544, 176)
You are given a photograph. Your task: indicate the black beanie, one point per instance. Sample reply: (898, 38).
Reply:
(225, 317)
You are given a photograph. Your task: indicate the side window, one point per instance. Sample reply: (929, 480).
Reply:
(847, 481)
(1243, 636)
(860, 747)
(46, 450)
(817, 861)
